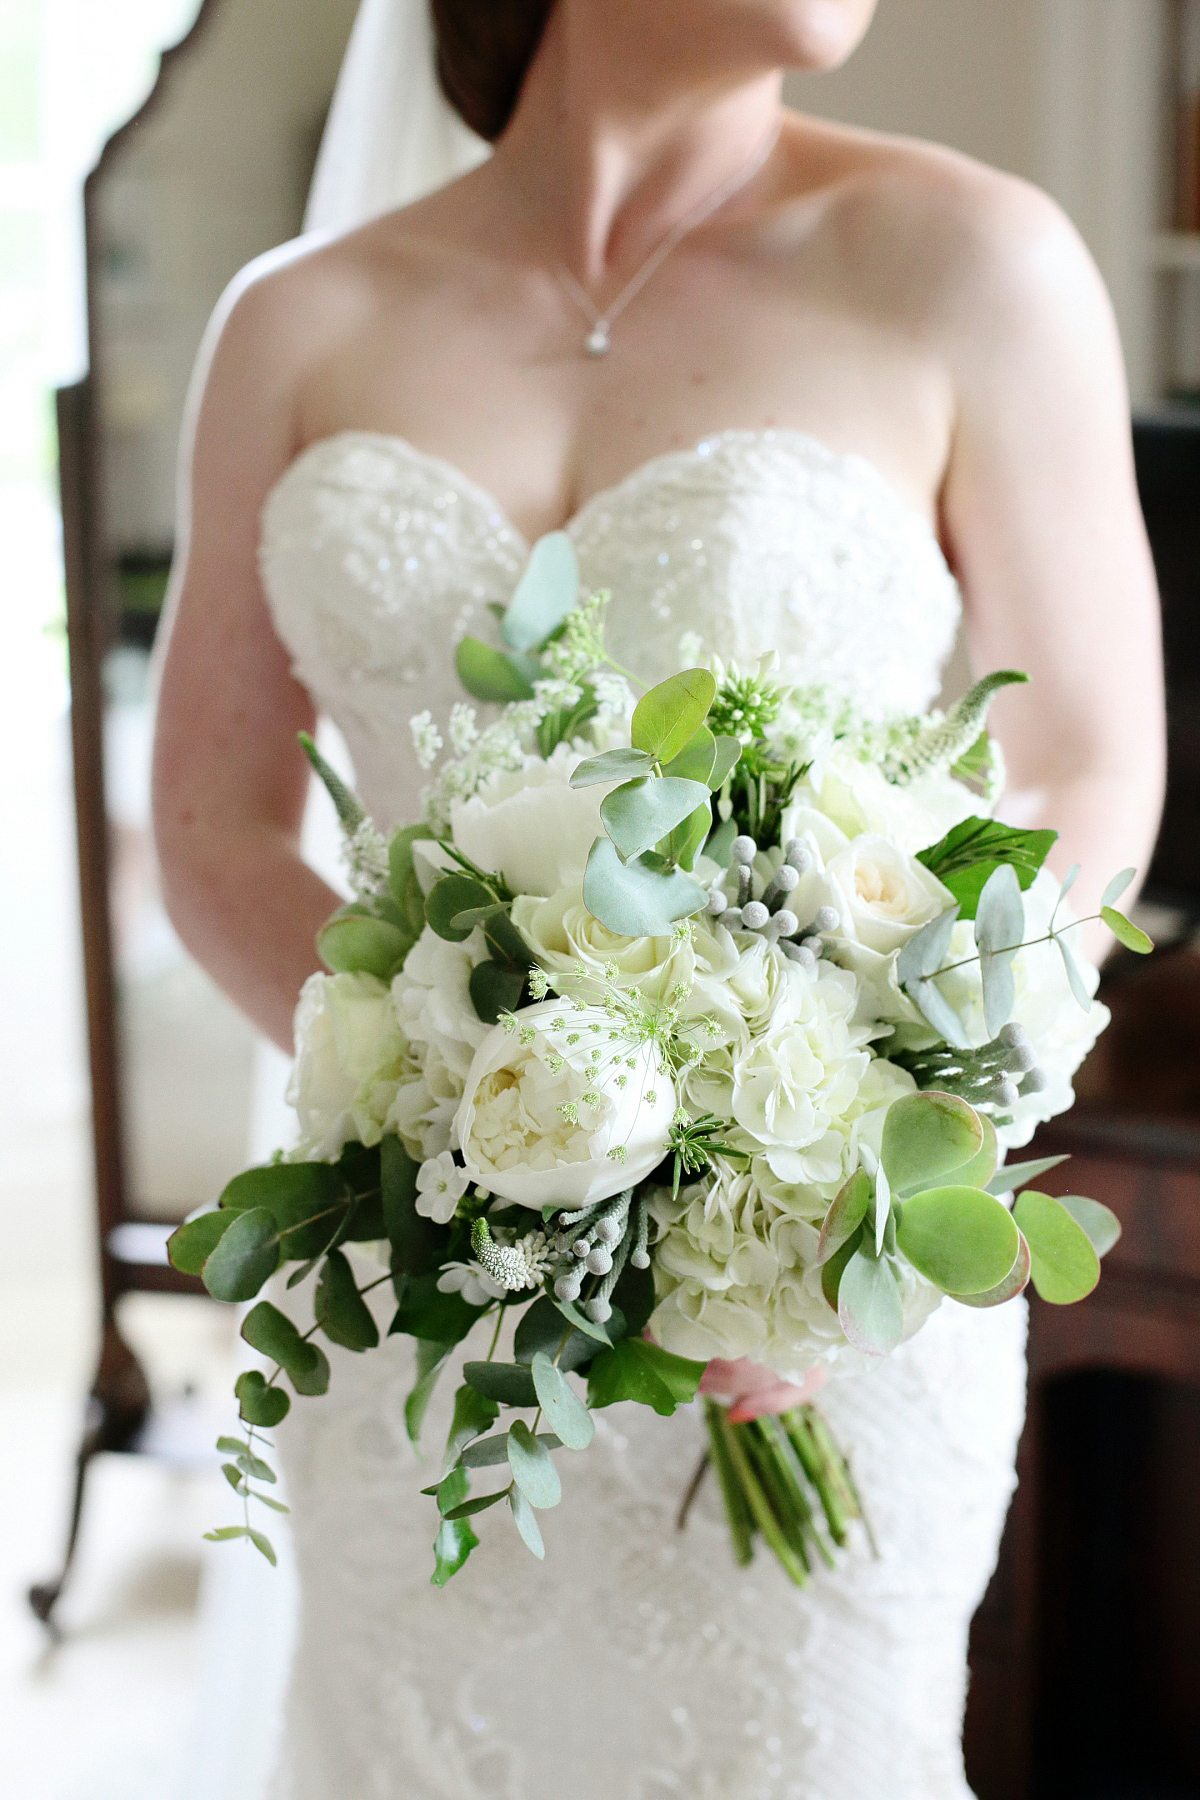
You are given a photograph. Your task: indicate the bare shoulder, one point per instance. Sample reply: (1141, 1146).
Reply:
(968, 252)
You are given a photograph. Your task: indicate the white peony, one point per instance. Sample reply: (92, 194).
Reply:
(530, 825)
(350, 1062)
(560, 1108)
(433, 1004)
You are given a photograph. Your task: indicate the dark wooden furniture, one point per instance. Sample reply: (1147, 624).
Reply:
(1086, 1651)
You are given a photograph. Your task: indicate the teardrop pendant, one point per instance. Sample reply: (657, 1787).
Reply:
(597, 340)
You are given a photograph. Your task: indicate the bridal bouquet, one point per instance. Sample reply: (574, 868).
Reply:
(689, 1031)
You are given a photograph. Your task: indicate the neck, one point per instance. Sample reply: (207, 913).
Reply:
(618, 138)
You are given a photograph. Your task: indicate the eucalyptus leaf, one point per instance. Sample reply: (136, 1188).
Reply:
(452, 1546)
(533, 1468)
(682, 845)
(310, 1202)
(489, 674)
(666, 718)
(926, 1137)
(961, 1239)
(246, 1256)
(696, 760)
(258, 1403)
(846, 1213)
(883, 1207)
(571, 1420)
(272, 1334)
(1011, 1176)
(425, 1312)
(315, 1380)
(638, 813)
(835, 1267)
(999, 929)
(938, 1011)
(350, 944)
(467, 1509)
(451, 895)
(224, 1534)
(190, 1247)
(234, 1476)
(869, 1305)
(263, 1545)
(526, 1523)
(611, 765)
(495, 991)
(1126, 932)
(1065, 1265)
(415, 1240)
(728, 755)
(1099, 1221)
(633, 899)
(979, 1171)
(1074, 974)
(633, 1301)
(266, 1500)
(926, 951)
(1014, 1283)
(580, 1321)
(509, 1383)
(541, 1328)
(431, 1360)
(474, 1413)
(255, 1467)
(547, 591)
(486, 1452)
(1116, 887)
(342, 1313)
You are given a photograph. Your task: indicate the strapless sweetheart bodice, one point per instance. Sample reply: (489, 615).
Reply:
(376, 558)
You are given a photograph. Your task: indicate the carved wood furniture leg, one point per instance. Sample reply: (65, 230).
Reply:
(117, 1409)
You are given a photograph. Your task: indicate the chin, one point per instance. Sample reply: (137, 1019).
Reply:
(802, 34)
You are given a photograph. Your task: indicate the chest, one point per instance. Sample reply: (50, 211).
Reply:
(493, 375)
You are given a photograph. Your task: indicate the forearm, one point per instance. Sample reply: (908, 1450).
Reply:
(249, 909)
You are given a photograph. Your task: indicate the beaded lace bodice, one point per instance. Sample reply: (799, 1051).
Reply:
(377, 558)
(637, 1662)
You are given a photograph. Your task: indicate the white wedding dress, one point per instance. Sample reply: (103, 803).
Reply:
(637, 1662)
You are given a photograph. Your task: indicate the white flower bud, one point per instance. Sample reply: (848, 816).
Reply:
(755, 916)
(743, 850)
(827, 919)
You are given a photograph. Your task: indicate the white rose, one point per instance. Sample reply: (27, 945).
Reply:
(565, 938)
(530, 825)
(886, 895)
(858, 798)
(350, 1061)
(433, 1003)
(545, 1120)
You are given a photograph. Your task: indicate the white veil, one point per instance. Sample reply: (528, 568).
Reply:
(391, 135)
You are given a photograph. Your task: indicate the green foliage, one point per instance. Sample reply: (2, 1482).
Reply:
(342, 1313)
(492, 675)
(533, 1467)
(431, 1360)
(190, 1247)
(961, 1239)
(547, 591)
(402, 874)
(683, 845)
(416, 1241)
(355, 942)
(260, 1404)
(1126, 932)
(495, 990)
(474, 1413)
(1099, 1221)
(639, 813)
(611, 765)
(1014, 1175)
(246, 1256)
(601, 1333)
(869, 1305)
(541, 1328)
(1014, 1283)
(272, 1333)
(697, 759)
(452, 1546)
(634, 1300)
(846, 1213)
(637, 1370)
(487, 1452)
(562, 1406)
(669, 716)
(636, 899)
(980, 1169)
(310, 1203)
(834, 1267)
(424, 1312)
(926, 1137)
(728, 753)
(510, 1383)
(526, 1523)
(315, 1380)
(350, 810)
(451, 895)
(975, 848)
(1065, 1265)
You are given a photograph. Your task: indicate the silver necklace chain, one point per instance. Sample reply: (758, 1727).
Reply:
(598, 339)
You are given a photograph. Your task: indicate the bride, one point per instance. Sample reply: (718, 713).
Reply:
(778, 379)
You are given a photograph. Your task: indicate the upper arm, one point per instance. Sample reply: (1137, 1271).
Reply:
(229, 708)
(1040, 507)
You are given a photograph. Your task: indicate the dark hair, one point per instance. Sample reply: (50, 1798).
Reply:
(484, 49)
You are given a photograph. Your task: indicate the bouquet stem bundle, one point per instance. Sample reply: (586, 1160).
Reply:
(779, 1475)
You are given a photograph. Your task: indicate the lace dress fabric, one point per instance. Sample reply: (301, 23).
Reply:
(637, 1662)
